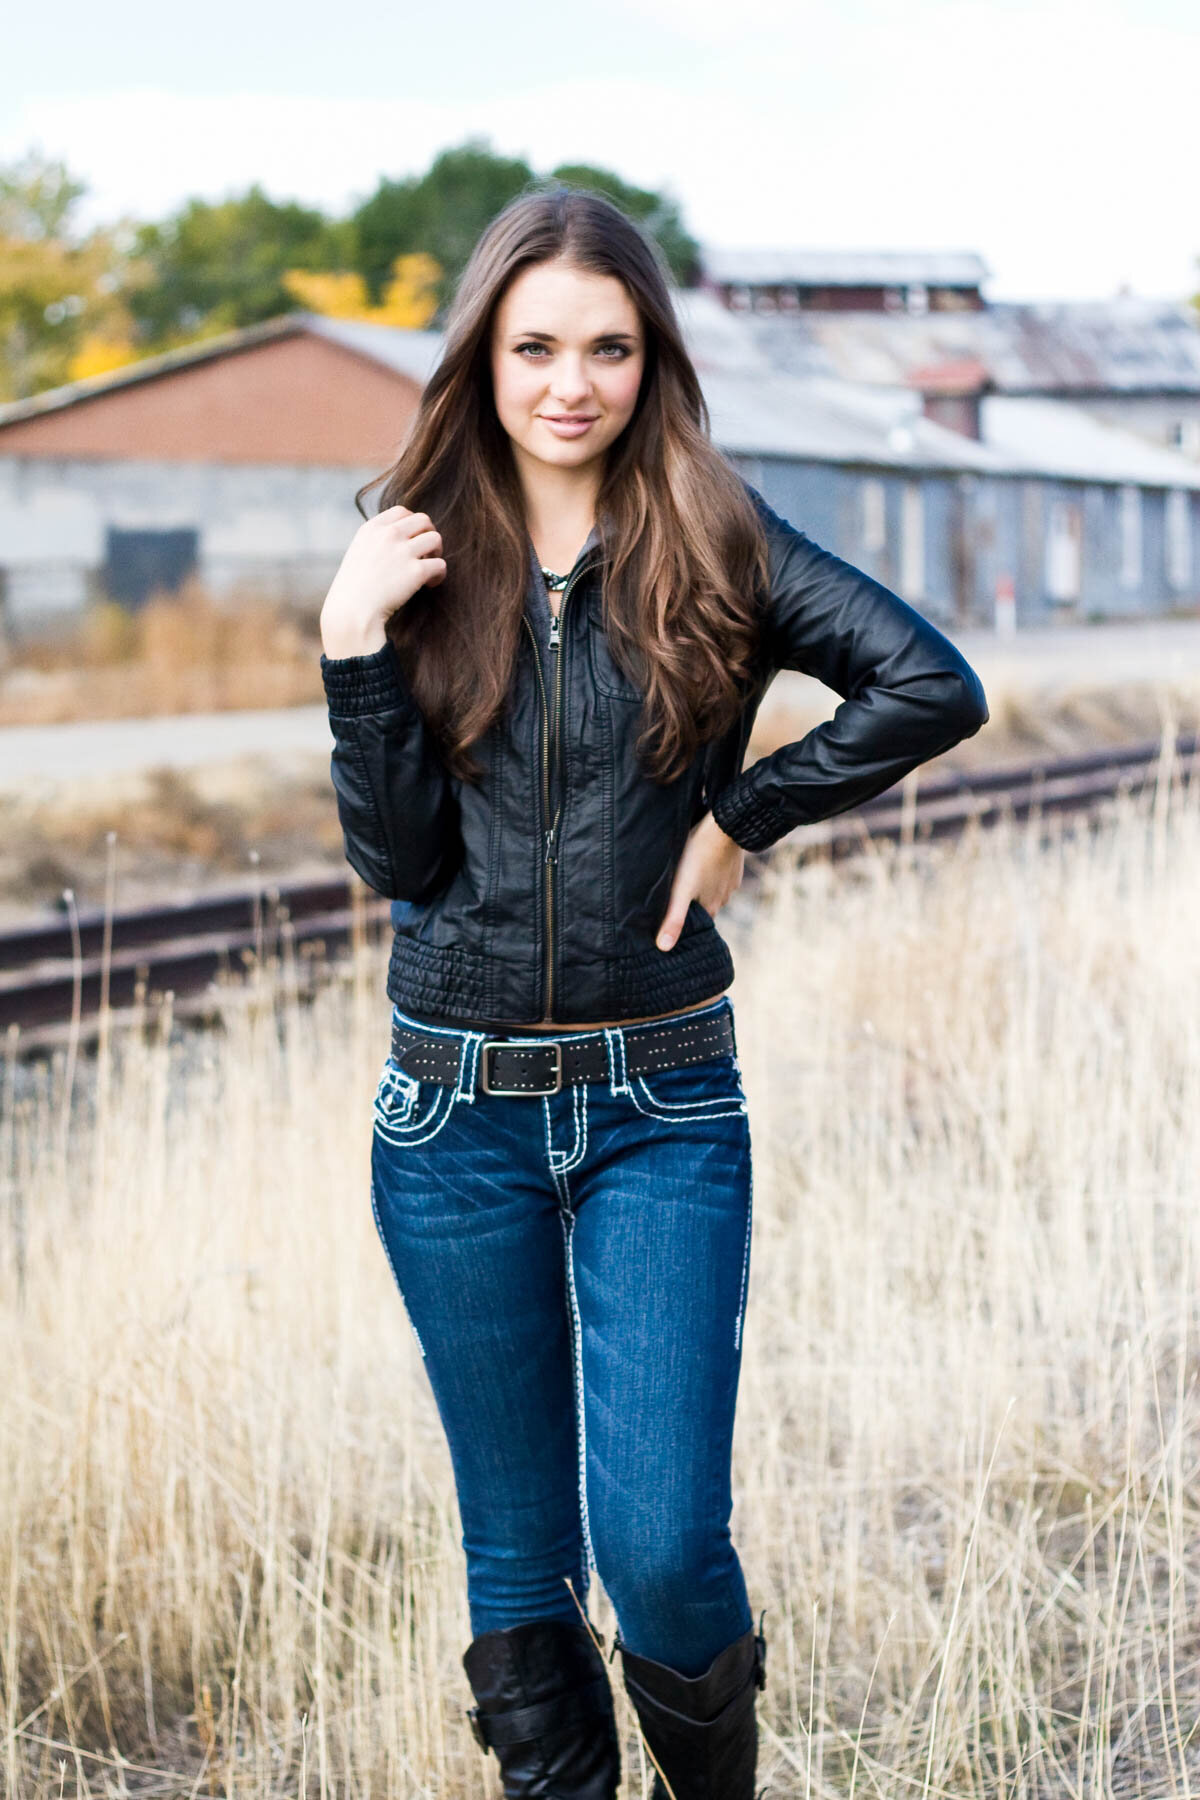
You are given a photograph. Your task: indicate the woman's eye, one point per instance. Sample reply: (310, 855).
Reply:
(622, 351)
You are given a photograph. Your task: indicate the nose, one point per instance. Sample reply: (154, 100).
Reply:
(571, 386)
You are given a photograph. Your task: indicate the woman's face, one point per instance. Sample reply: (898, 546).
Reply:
(565, 343)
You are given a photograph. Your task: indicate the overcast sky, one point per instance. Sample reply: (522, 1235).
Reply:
(1057, 139)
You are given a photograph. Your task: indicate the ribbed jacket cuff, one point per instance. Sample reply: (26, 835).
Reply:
(753, 823)
(363, 684)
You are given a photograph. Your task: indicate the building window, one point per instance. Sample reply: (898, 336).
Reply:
(138, 562)
(1179, 538)
(1130, 504)
(1064, 546)
(912, 541)
(1184, 434)
(873, 516)
(916, 297)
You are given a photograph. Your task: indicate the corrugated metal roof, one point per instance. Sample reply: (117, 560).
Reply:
(1127, 345)
(846, 268)
(786, 415)
(757, 409)
(409, 352)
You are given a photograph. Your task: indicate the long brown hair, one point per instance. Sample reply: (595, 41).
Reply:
(684, 553)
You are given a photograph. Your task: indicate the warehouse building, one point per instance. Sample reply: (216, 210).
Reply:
(237, 460)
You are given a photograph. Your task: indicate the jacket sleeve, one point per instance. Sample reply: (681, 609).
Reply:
(396, 803)
(907, 692)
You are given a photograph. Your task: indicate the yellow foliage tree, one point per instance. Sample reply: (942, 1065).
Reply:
(99, 355)
(60, 292)
(409, 300)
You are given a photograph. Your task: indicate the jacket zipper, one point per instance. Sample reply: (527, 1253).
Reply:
(550, 832)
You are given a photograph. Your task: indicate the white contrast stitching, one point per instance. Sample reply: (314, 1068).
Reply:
(436, 1118)
(570, 1159)
(691, 1109)
(568, 1225)
(618, 1079)
(579, 1104)
(725, 1108)
(575, 1325)
(741, 1311)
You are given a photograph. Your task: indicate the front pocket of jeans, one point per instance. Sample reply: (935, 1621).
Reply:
(700, 1090)
(407, 1110)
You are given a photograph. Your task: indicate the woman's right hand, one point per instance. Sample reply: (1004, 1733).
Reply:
(389, 557)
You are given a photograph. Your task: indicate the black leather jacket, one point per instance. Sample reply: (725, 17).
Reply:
(536, 895)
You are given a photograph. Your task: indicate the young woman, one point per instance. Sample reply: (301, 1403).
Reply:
(543, 655)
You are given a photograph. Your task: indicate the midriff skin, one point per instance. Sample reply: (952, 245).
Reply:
(561, 1028)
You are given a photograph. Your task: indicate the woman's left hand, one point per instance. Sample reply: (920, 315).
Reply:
(709, 870)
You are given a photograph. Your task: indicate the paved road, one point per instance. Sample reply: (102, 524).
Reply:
(1113, 653)
(99, 747)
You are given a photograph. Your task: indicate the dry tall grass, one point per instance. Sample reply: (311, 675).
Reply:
(181, 652)
(968, 1432)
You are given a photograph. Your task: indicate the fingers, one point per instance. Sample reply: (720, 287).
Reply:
(672, 925)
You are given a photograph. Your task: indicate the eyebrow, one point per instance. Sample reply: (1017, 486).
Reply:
(601, 336)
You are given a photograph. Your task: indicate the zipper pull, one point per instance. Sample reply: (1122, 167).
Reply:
(554, 624)
(551, 847)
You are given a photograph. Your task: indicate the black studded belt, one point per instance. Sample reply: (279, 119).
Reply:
(538, 1064)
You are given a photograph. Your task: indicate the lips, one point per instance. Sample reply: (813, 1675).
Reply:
(567, 427)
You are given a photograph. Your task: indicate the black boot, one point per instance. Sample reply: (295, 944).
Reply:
(546, 1708)
(702, 1730)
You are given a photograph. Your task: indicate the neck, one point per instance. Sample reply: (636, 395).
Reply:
(559, 503)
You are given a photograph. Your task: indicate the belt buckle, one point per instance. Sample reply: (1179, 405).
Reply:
(554, 1044)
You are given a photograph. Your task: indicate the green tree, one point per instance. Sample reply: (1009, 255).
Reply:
(74, 304)
(441, 213)
(444, 211)
(657, 213)
(221, 264)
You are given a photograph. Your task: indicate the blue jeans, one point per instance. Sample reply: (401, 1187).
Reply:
(574, 1267)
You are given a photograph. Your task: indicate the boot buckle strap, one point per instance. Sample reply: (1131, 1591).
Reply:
(523, 1722)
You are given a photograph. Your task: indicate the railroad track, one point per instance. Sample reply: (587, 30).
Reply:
(65, 975)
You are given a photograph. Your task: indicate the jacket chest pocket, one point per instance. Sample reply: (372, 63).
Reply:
(607, 675)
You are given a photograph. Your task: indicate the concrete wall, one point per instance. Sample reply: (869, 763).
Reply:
(281, 530)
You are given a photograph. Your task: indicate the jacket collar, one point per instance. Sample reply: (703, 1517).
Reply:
(536, 593)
